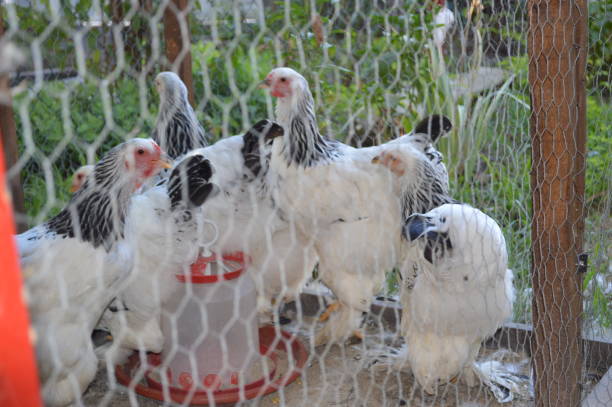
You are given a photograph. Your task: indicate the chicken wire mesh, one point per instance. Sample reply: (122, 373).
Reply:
(88, 80)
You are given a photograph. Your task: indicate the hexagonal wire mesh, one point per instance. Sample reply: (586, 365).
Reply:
(311, 221)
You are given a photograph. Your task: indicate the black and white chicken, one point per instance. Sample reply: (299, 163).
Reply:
(345, 205)
(244, 219)
(73, 264)
(158, 229)
(244, 214)
(462, 292)
(177, 129)
(165, 238)
(248, 220)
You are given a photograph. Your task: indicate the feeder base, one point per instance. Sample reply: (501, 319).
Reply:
(271, 346)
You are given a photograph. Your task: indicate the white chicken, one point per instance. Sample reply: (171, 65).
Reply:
(337, 198)
(443, 21)
(462, 292)
(245, 220)
(249, 221)
(423, 137)
(165, 238)
(79, 177)
(160, 234)
(73, 264)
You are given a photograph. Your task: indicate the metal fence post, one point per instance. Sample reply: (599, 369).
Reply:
(557, 57)
(178, 43)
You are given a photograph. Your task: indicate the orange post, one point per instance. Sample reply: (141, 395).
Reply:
(18, 377)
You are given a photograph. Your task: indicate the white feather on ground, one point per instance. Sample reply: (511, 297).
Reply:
(462, 292)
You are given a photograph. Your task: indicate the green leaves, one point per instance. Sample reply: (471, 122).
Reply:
(66, 120)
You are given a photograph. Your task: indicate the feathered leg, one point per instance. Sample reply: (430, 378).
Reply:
(340, 326)
(73, 363)
(468, 375)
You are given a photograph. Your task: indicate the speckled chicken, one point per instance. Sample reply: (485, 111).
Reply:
(74, 263)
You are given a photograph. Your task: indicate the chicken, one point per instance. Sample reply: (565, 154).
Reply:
(177, 129)
(462, 293)
(79, 177)
(11, 56)
(74, 262)
(423, 137)
(244, 214)
(443, 21)
(336, 197)
(244, 219)
(164, 234)
(248, 220)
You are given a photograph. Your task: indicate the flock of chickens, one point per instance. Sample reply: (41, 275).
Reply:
(290, 198)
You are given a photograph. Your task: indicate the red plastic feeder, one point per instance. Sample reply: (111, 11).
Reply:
(131, 374)
(210, 326)
(213, 348)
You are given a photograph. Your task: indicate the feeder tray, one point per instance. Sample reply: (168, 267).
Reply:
(271, 346)
(211, 382)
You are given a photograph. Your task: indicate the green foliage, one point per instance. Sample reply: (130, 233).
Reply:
(519, 66)
(376, 67)
(597, 281)
(60, 26)
(66, 125)
(599, 159)
(599, 60)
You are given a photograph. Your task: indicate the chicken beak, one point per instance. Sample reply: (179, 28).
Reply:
(163, 162)
(376, 160)
(415, 227)
(73, 188)
(265, 84)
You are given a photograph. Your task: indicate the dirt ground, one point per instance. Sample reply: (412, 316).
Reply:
(359, 373)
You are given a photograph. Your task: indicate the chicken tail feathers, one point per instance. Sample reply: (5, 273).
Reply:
(261, 133)
(189, 184)
(435, 126)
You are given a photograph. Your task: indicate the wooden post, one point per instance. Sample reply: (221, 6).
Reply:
(8, 136)
(557, 56)
(178, 44)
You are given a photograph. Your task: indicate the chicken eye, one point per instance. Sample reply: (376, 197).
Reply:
(283, 79)
(80, 176)
(140, 151)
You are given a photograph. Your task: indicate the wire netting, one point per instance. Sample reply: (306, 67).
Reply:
(81, 79)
